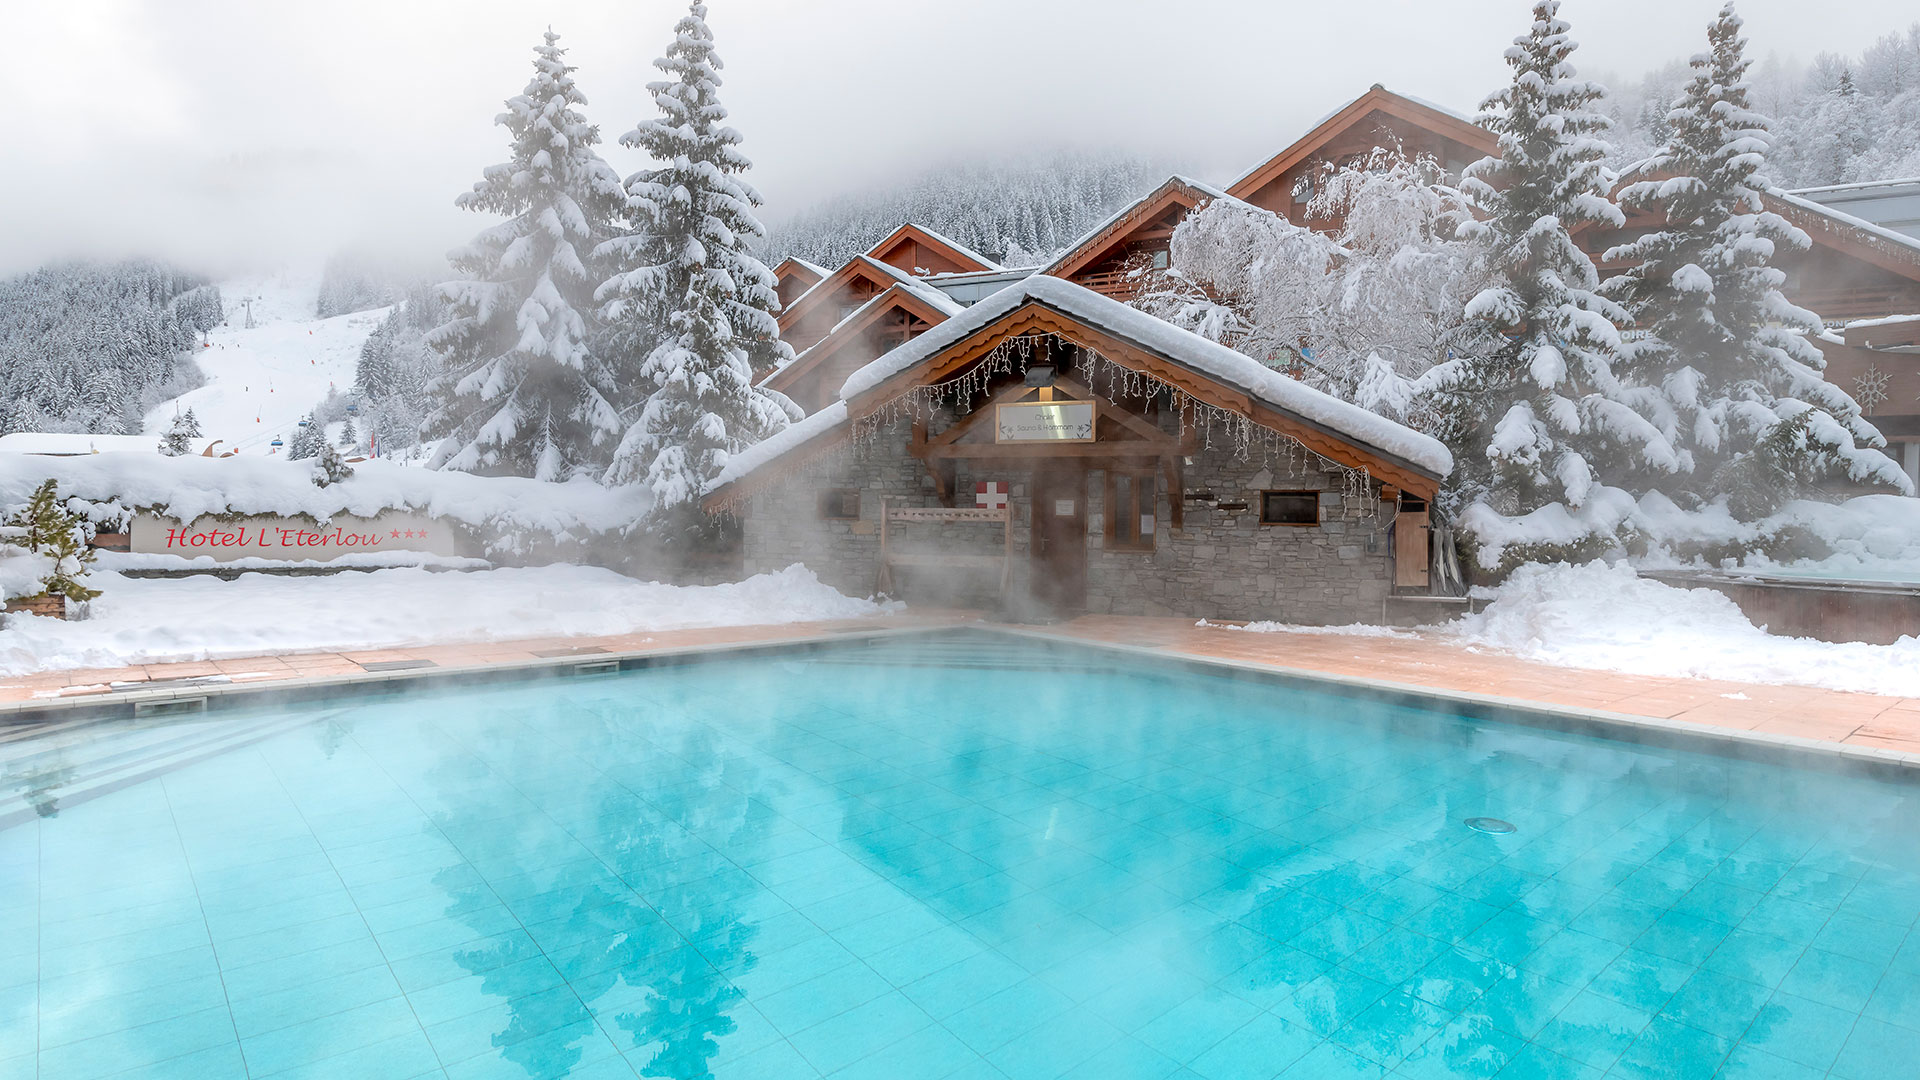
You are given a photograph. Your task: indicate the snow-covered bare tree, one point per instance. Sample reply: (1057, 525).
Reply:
(522, 393)
(1542, 419)
(1360, 313)
(687, 278)
(1739, 390)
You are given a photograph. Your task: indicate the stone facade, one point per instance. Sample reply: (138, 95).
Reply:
(1222, 564)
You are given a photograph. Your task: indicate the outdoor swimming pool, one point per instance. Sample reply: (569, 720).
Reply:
(964, 857)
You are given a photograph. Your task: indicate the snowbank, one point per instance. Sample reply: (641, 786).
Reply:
(141, 621)
(185, 488)
(1605, 616)
(1870, 535)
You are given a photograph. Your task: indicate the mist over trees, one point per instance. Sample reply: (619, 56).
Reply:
(90, 347)
(1019, 211)
(1837, 119)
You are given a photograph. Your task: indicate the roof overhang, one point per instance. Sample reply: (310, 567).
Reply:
(1377, 99)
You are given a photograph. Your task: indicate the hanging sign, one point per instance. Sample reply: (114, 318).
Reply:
(1044, 421)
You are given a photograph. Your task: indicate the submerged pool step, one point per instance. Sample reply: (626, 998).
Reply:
(92, 763)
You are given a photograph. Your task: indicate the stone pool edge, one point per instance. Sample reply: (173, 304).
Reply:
(1527, 712)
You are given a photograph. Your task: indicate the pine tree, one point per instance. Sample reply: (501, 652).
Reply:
(1536, 419)
(689, 281)
(349, 436)
(523, 394)
(178, 437)
(307, 439)
(1731, 363)
(46, 528)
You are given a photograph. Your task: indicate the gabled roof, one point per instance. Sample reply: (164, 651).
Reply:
(795, 266)
(1424, 114)
(1883, 247)
(860, 267)
(967, 258)
(1175, 191)
(924, 302)
(1207, 370)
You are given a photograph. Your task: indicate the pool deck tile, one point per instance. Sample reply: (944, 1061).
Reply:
(1860, 720)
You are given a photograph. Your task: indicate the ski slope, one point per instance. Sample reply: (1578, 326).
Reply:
(261, 381)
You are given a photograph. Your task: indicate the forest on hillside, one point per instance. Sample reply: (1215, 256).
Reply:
(90, 347)
(1019, 211)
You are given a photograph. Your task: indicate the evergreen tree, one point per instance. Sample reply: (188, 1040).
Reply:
(1737, 375)
(688, 279)
(46, 528)
(177, 439)
(307, 439)
(1535, 419)
(523, 394)
(348, 436)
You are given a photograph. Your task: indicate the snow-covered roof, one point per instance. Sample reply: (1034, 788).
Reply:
(1182, 347)
(810, 265)
(1898, 239)
(1859, 185)
(955, 245)
(886, 269)
(933, 297)
(1121, 214)
(66, 444)
(790, 438)
(1342, 107)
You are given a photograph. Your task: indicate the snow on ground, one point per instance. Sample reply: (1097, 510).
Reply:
(1606, 616)
(144, 621)
(1609, 618)
(261, 381)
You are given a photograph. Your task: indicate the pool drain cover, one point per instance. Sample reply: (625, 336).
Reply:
(1490, 825)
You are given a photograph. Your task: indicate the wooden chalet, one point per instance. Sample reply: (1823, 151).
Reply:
(795, 276)
(1287, 181)
(1050, 447)
(1112, 257)
(922, 252)
(908, 254)
(897, 314)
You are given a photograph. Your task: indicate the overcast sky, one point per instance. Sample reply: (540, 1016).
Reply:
(257, 131)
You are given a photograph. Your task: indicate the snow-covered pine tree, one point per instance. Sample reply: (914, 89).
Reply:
(687, 279)
(348, 436)
(307, 439)
(1538, 420)
(180, 433)
(45, 527)
(522, 393)
(1737, 372)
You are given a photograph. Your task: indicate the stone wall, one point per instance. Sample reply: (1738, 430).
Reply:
(1222, 565)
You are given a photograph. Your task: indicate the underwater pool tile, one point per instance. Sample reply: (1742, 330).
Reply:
(1797, 1029)
(1259, 1050)
(1467, 1048)
(1833, 979)
(1593, 1030)
(1666, 1050)
(1329, 1061)
(1874, 1047)
(861, 1031)
(1391, 1028)
(1535, 1062)
(1523, 1003)
(146, 1047)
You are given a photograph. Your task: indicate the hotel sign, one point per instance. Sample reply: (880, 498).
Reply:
(1044, 421)
(284, 538)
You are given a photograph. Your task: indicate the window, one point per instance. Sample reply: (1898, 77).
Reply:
(1160, 260)
(1289, 508)
(840, 504)
(1130, 505)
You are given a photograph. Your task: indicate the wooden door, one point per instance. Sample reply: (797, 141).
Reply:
(1059, 540)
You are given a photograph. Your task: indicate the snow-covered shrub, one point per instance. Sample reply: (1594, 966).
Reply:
(57, 539)
(1363, 313)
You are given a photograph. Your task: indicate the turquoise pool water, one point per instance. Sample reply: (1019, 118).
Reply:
(975, 861)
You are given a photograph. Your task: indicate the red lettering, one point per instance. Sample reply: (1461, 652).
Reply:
(176, 536)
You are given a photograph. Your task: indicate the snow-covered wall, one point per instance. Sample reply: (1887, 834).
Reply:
(507, 517)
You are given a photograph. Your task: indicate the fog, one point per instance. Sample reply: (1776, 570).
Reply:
(224, 135)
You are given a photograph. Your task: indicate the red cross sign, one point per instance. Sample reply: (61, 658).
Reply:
(990, 495)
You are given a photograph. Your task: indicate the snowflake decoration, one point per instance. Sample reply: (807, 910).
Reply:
(1870, 388)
